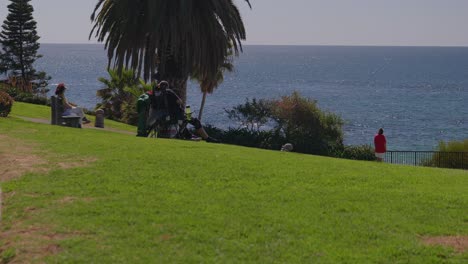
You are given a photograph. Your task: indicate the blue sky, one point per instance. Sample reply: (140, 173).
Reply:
(298, 22)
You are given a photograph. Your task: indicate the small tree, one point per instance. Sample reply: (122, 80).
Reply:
(310, 129)
(251, 115)
(19, 41)
(294, 119)
(119, 95)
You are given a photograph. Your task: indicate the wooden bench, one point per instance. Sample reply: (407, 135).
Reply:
(58, 118)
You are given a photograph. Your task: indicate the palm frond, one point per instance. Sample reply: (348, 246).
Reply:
(149, 35)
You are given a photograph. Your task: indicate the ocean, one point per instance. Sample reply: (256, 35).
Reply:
(419, 95)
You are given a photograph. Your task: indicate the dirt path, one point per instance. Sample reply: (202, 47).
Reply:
(17, 158)
(21, 242)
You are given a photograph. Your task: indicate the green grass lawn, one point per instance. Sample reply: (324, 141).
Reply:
(43, 112)
(139, 200)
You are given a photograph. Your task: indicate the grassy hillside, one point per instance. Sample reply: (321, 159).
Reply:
(43, 112)
(112, 198)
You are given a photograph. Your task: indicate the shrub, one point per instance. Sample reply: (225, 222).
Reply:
(452, 154)
(252, 114)
(37, 97)
(214, 131)
(119, 95)
(129, 113)
(359, 152)
(32, 99)
(292, 119)
(113, 94)
(12, 91)
(308, 128)
(6, 102)
(249, 138)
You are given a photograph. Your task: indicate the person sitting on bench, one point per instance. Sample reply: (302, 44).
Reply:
(70, 109)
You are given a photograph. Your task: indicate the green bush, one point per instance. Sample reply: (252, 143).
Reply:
(32, 99)
(359, 152)
(292, 119)
(119, 95)
(252, 114)
(6, 102)
(453, 154)
(246, 137)
(18, 96)
(129, 113)
(12, 91)
(308, 128)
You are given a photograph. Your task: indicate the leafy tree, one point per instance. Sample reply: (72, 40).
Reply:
(19, 41)
(173, 37)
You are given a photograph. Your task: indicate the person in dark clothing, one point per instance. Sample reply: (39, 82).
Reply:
(167, 105)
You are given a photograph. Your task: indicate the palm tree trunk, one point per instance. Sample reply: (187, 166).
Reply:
(179, 86)
(171, 73)
(202, 106)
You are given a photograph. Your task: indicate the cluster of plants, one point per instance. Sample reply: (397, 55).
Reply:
(36, 97)
(119, 95)
(356, 152)
(6, 102)
(291, 119)
(266, 124)
(452, 154)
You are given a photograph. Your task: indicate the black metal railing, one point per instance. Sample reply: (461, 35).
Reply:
(456, 160)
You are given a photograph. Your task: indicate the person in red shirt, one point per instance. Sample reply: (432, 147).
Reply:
(380, 143)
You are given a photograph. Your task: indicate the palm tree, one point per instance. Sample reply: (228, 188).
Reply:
(115, 93)
(208, 84)
(173, 37)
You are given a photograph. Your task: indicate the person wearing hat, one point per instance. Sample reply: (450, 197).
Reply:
(69, 108)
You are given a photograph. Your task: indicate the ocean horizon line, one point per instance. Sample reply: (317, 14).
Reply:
(304, 45)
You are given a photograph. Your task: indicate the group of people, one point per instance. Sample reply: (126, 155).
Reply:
(166, 103)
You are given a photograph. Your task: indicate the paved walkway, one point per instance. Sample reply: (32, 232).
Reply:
(85, 126)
